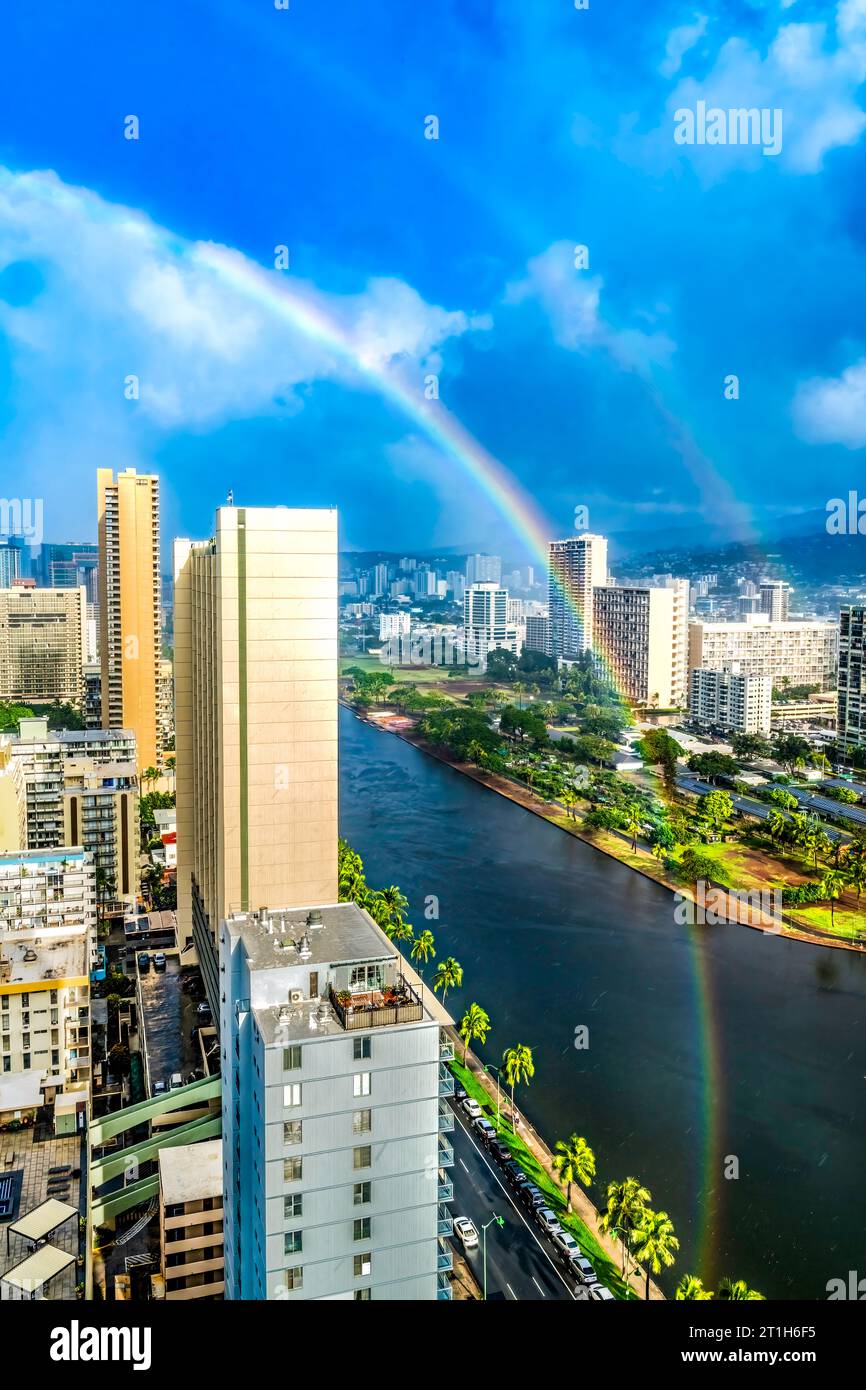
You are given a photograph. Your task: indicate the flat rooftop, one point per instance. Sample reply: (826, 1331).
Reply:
(61, 959)
(338, 934)
(191, 1172)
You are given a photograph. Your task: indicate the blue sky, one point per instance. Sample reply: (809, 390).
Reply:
(602, 385)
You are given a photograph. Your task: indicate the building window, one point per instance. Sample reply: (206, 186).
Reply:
(361, 1048)
(291, 1058)
(363, 1193)
(293, 1242)
(292, 1095)
(293, 1131)
(361, 1083)
(363, 1264)
(7, 1063)
(361, 1228)
(362, 1122)
(363, 1295)
(293, 1206)
(294, 1278)
(362, 1157)
(293, 1169)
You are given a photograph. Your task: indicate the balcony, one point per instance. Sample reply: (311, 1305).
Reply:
(396, 1003)
(444, 1188)
(444, 1222)
(445, 1119)
(446, 1047)
(444, 1258)
(446, 1153)
(446, 1081)
(443, 1288)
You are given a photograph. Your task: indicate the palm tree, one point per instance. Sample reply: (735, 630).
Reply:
(475, 753)
(402, 931)
(449, 975)
(150, 774)
(626, 1201)
(474, 1024)
(574, 1161)
(634, 824)
(519, 1066)
(423, 948)
(520, 691)
(831, 887)
(737, 1291)
(654, 1243)
(569, 801)
(857, 874)
(690, 1286)
(395, 901)
(777, 824)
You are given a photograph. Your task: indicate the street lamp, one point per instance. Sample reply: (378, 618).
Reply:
(500, 1221)
(488, 1066)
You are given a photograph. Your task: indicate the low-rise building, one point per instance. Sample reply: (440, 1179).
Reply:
(191, 1220)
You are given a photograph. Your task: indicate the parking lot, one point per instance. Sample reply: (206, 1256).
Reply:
(167, 1021)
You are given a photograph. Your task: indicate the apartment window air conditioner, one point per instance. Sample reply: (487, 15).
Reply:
(296, 996)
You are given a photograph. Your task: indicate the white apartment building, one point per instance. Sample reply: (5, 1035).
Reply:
(43, 641)
(642, 635)
(804, 652)
(394, 625)
(47, 940)
(578, 566)
(485, 622)
(71, 788)
(334, 1119)
(731, 699)
(483, 569)
(775, 597)
(537, 637)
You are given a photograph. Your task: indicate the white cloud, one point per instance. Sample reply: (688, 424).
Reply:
(832, 410)
(196, 323)
(680, 40)
(571, 299)
(812, 72)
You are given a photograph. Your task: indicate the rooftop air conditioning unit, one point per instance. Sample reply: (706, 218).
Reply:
(296, 996)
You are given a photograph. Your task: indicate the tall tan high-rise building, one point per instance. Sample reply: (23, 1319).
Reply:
(641, 632)
(255, 671)
(130, 640)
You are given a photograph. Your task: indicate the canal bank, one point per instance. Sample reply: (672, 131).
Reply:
(709, 1053)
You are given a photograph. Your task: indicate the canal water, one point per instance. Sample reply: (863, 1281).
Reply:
(724, 1068)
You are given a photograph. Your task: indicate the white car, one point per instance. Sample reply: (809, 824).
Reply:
(466, 1232)
(484, 1129)
(566, 1241)
(176, 1081)
(548, 1220)
(601, 1294)
(472, 1108)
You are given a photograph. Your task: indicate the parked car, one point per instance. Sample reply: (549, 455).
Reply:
(567, 1244)
(547, 1220)
(537, 1199)
(500, 1151)
(513, 1172)
(465, 1232)
(459, 1092)
(159, 1088)
(583, 1269)
(203, 1009)
(484, 1129)
(601, 1294)
(176, 1081)
(159, 960)
(472, 1108)
(144, 961)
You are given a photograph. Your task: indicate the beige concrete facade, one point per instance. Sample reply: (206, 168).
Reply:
(255, 672)
(804, 652)
(642, 633)
(130, 625)
(42, 644)
(191, 1220)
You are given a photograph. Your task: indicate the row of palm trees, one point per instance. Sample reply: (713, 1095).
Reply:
(646, 1235)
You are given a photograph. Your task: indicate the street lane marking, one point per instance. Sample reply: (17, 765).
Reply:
(512, 1203)
(538, 1286)
(463, 1166)
(511, 1291)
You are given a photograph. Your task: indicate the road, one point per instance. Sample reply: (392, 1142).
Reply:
(762, 809)
(519, 1266)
